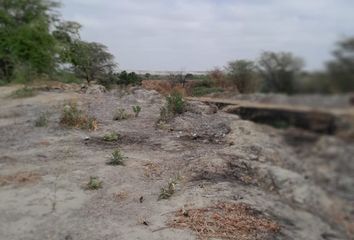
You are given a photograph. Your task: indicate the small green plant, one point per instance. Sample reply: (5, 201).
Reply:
(111, 137)
(94, 183)
(42, 120)
(25, 92)
(174, 105)
(117, 158)
(136, 110)
(120, 114)
(167, 191)
(73, 117)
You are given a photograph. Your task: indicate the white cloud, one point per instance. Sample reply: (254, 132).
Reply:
(200, 34)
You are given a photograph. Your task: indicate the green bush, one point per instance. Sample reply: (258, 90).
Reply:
(201, 91)
(94, 184)
(25, 92)
(132, 78)
(117, 158)
(136, 110)
(243, 75)
(111, 137)
(207, 83)
(174, 105)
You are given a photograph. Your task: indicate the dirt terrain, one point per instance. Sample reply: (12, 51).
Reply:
(232, 178)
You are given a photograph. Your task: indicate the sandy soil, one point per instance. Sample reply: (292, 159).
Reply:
(302, 181)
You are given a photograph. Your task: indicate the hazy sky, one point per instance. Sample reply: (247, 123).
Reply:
(202, 34)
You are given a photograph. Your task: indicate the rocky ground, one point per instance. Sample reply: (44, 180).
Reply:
(230, 178)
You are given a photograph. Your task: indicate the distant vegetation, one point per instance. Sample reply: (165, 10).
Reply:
(35, 43)
(282, 72)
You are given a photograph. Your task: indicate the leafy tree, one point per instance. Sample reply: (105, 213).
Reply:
(218, 77)
(341, 70)
(123, 78)
(242, 73)
(147, 75)
(180, 78)
(189, 76)
(66, 33)
(26, 44)
(314, 82)
(134, 78)
(91, 61)
(129, 78)
(280, 71)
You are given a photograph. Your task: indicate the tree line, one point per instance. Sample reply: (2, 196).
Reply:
(36, 43)
(283, 72)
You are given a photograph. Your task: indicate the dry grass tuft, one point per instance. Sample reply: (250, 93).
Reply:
(226, 221)
(73, 117)
(120, 196)
(152, 170)
(20, 178)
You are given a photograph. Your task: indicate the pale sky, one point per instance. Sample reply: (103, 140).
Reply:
(203, 34)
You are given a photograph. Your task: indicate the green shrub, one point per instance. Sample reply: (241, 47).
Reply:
(136, 110)
(167, 191)
(132, 78)
(111, 137)
(117, 158)
(174, 105)
(201, 91)
(207, 83)
(243, 75)
(73, 117)
(25, 92)
(94, 184)
(23, 73)
(42, 120)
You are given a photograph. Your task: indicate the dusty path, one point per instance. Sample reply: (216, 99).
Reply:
(303, 182)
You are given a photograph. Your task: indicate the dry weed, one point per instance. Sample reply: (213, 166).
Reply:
(73, 117)
(152, 170)
(226, 221)
(120, 196)
(20, 178)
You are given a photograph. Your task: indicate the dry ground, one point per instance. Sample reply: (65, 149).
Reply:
(234, 179)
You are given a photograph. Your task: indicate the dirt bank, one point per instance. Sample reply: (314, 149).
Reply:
(276, 184)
